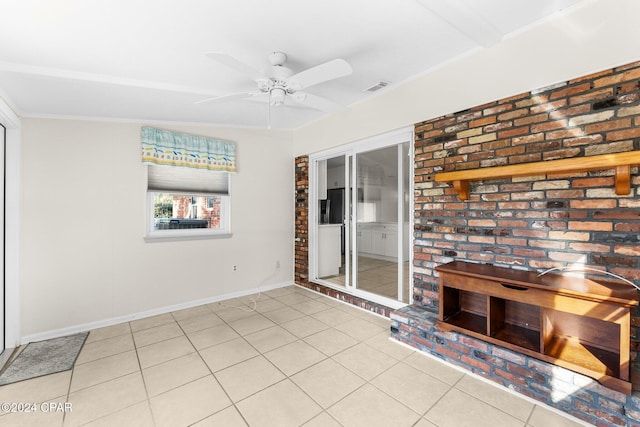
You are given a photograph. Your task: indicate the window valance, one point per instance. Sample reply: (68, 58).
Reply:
(163, 147)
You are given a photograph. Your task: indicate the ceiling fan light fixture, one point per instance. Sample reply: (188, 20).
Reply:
(276, 96)
(277, 58)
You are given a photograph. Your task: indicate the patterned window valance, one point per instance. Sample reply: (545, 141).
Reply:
(163, 147)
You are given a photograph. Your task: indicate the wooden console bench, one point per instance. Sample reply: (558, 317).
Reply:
(573, 322)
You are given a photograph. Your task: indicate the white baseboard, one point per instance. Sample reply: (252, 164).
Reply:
(40, 336)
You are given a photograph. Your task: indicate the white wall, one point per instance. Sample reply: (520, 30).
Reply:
(592, 37)
(83, 259)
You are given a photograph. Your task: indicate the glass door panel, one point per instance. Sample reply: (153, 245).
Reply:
(377, 231)
(331, 227)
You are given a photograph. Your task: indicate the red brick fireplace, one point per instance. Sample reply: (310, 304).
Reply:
(529, 222)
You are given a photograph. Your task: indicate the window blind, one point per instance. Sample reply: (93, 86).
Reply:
(185, 180)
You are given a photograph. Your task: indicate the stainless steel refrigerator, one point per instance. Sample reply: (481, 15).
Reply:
(335, 211)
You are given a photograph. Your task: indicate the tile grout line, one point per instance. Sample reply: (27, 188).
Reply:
(261, 354)
(73, 369)
(144, 382)
(533, 408)
(233, 404)
(369, 342)
(286, 377)
(121, 376)
(397, 361)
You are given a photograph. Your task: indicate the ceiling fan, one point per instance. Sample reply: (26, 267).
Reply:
(279, 82)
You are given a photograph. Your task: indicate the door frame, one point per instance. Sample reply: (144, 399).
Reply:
(12, 123)
(395, 137)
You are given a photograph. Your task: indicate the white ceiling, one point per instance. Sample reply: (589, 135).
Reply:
(145, 59)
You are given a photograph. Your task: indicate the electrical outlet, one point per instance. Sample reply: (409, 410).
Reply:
(235, 268)
(277, 264)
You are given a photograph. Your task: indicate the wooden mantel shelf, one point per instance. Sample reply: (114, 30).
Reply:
(621, 162)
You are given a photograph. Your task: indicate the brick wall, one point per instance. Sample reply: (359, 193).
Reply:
(182, 206)
(568, 391)
(534, 222)
(301, 246)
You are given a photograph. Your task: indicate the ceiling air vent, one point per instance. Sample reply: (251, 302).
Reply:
(377, 86)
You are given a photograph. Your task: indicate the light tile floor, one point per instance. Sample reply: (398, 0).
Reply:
(298, 359)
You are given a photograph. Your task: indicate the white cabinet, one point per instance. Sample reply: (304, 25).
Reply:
(384, 240)
(364, 238)
(390, 242)
(378, 235)
(329, 250)
(378, 239)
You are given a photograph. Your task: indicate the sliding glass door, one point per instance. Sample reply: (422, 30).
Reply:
(381, 222)
(360, 219)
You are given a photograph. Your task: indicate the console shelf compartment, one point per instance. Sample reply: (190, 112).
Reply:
(573, 322)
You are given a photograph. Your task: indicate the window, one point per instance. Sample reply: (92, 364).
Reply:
(179, 215)
(187, 203)
(211, 202)
(179, 212)
(188, 180)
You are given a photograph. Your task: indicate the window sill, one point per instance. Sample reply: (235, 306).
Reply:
(183, 235)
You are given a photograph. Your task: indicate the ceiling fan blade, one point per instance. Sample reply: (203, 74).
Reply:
(320, 73)
(236, 64)
(316, 102)
(226, 98)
